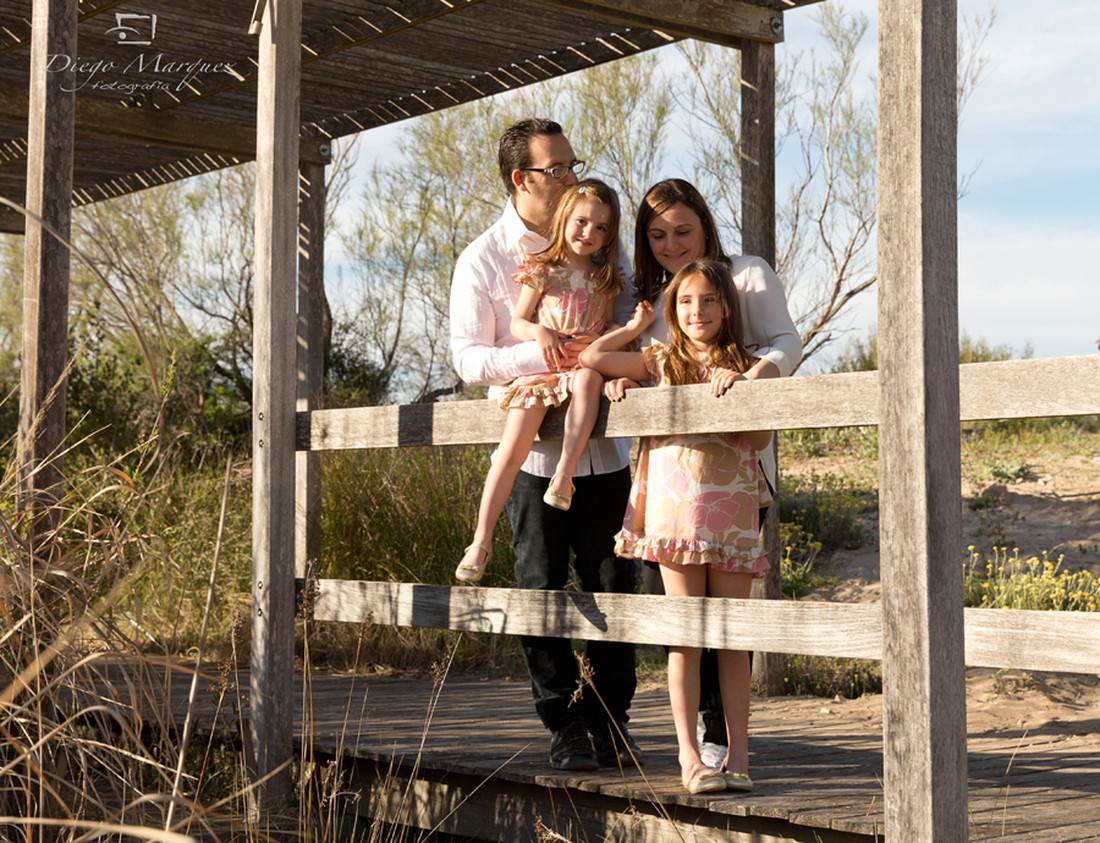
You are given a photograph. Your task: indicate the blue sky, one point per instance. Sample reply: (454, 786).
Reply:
(1029, 225)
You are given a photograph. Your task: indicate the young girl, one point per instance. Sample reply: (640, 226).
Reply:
(694, 505)
(568, 288)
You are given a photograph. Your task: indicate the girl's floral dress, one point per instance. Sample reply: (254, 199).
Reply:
(696, 498)
(569, 304)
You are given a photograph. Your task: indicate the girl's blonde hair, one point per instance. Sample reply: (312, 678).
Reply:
(728, 350)
(606, 275)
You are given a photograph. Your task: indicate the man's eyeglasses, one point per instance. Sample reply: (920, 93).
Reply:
(558, 172)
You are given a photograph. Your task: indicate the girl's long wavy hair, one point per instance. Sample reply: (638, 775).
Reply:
(649, 276)
(606, 274)
(728, 351)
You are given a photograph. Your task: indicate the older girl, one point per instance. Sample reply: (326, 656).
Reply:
(694, 506)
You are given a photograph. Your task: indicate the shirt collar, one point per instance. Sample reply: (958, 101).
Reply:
(518, 234)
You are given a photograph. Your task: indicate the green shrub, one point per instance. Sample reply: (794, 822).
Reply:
(1008, 470)
(797, 569)
(1004, 580)
(830, 441)
(826, 509)
(861, 355)
(822, 676)
(406, 514)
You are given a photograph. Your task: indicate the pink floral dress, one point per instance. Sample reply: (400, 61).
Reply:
(569, 304)
(696, 498)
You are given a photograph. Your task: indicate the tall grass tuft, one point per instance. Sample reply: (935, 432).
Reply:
(76, 759)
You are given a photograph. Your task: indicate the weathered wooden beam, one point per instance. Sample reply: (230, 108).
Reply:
(781, 626)
(719, 21)
(758, 238)
(1061, 386)
(166, 128)
(924, 695)
(311, 360)
(273, 398)
(1025, 640)
(46, 267)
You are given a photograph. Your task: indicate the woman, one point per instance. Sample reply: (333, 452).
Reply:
(675, 227)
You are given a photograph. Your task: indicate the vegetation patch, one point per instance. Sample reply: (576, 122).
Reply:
(1004, 579)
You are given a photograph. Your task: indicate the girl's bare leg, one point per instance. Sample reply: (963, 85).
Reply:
(519, 433)
(683, 670)
(733, 675)
(580, 418)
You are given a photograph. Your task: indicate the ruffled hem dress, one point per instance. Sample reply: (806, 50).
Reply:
(569, 304)
(695, 499)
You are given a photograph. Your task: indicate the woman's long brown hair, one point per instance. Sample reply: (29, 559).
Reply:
(649, 276)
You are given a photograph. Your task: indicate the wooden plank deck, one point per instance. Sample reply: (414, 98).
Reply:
(470, 757)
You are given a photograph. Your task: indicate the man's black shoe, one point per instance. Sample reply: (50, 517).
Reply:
(615, 747)
(571, 748)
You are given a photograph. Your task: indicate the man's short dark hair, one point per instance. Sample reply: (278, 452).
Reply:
(515, 146)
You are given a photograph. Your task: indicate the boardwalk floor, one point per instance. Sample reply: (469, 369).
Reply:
(471, 755)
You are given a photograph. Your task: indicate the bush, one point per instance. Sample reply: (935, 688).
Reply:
(821, 676)
(1003, 580)
(861, 355)
(826, 509)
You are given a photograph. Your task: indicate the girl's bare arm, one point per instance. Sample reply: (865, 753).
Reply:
(604, 355)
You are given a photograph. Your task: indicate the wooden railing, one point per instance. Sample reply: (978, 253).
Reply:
(1030, 640)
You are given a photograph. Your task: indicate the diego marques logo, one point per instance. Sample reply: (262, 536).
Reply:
(146, 71)
(135, 29)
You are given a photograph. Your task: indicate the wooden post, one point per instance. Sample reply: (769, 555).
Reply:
(758, 238)
(273, 402)
(311, 359)
(46, 267)
(924, 703)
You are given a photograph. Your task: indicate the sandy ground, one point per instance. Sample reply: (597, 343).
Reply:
(1058, 511)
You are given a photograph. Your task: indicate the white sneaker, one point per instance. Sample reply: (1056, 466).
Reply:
(712, 754)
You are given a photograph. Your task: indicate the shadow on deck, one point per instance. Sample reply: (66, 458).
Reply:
(477, 767)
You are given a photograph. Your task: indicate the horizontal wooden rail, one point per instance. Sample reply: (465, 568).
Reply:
(1028, 640)
(1060, 386)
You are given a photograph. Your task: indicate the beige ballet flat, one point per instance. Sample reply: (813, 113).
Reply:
(557, 499)
(472, 574)
(705, 780)
(737, 781)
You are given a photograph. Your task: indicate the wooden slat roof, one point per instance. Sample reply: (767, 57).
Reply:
(365, 64)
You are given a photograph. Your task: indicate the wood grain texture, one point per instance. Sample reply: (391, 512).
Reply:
(46, 266)
(758, 238)
(924, 699)
(312, 310)
(1026, 640)
(273, 400)
(832, 629)
(724, 23)
(1064, 386)
(817, 763)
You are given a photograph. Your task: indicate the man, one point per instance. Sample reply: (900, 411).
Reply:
(536, 164)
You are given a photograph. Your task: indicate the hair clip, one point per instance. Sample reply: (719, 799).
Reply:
(582, 189)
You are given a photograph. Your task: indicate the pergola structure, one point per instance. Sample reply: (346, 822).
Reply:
(99, 98)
